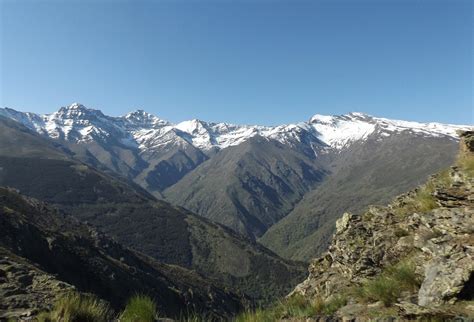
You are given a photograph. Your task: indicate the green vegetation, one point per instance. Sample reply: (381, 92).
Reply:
(388, 286)
(422, 201)
(76, 307)
(382, 288)
(43, 317)
(443, 178)
(263, 315)
(466, 162)
(334, 304)
(296, 306)
(400, 232)
(140, 308)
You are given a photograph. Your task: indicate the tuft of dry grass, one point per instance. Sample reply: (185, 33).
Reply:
(140, 308)
(76, 307)
(297, 306)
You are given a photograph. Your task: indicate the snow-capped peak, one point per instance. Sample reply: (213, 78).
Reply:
(324, 119)
(141, 118)
(75, 111)
(76, 106)
(339, 131)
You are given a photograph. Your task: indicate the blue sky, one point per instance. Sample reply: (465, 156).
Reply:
(260, 61)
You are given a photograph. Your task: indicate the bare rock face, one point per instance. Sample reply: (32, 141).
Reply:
(25, 289)
(450, 257)
(432, 227)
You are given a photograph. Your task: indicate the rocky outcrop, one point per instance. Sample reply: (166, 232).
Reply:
(431, 227)
(25, 289)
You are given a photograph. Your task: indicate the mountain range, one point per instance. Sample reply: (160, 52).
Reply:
(281, 185)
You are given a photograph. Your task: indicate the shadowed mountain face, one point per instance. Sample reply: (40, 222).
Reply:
(127, 212)
(154, 170)
(46, 170)
(80, 256)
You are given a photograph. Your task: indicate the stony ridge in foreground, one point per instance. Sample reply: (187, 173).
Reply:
(429, 230)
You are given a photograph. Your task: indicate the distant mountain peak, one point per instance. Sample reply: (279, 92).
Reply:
(319, 118)
(76, 111)
(140, 117)
(332, 119)
(76, 106)
(193, 126)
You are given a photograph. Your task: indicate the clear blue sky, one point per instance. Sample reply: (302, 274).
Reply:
(259, 61)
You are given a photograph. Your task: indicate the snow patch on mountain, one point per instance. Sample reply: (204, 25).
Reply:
(340, 131)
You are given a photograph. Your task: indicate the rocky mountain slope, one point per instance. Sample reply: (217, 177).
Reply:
(25, 289)
(372, 172)
(411, 259)
(172, 235)
(46, 253)
(249, 187)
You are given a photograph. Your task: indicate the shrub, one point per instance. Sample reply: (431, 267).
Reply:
(382, 288)
(258, 315)
(400, 232)
(333, 304)
(466, 163)
(444, 179)
(404, 274)
(296, 306)
(424, 199)
(388, 286)
(76, 307)
(140, 308)
(43, 317)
